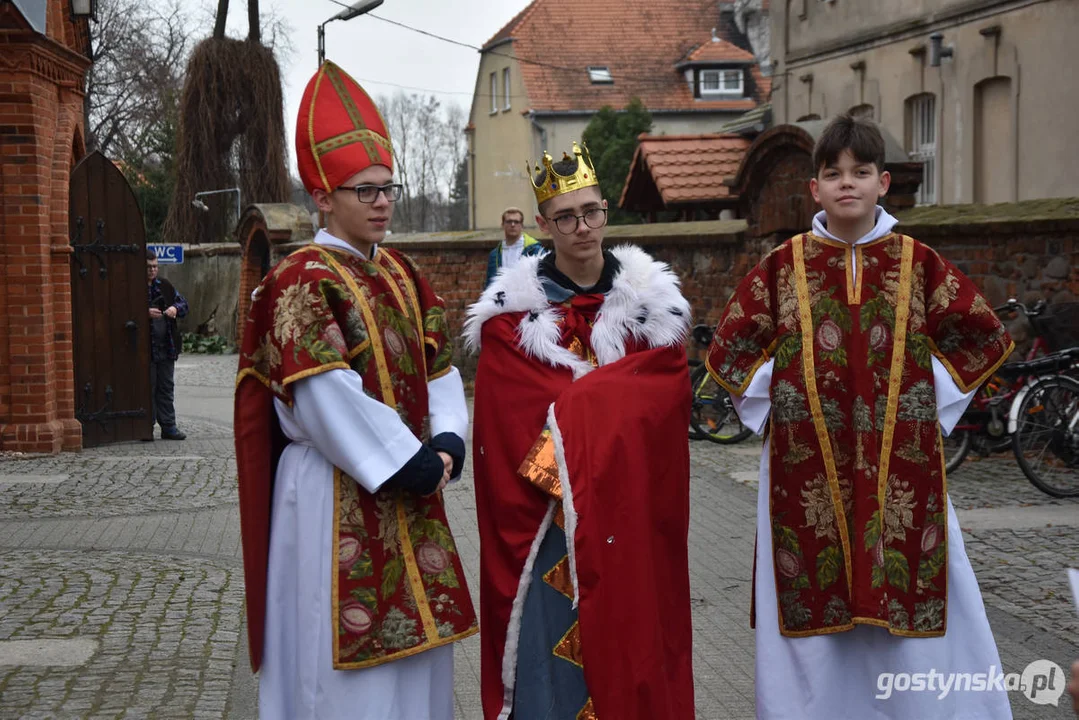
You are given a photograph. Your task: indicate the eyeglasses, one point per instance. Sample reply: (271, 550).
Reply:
(369, 193)
(511, 222)
(568, 224)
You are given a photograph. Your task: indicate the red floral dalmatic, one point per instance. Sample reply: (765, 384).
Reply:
(858, 492)
(398, 585)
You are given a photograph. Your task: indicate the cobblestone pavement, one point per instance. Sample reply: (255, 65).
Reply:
(121, 586)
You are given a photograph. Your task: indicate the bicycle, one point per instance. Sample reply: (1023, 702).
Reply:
(712, 414)
(985, 426)
(1045, 439)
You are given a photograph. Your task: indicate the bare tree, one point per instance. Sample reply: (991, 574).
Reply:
(139, 51)
(428, 146)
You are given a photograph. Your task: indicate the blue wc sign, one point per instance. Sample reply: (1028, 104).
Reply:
(167, 254)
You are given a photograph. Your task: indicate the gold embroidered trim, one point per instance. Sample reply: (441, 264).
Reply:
(854, 290)
(441, 373)
(310, 372)
(414, 301)
(412, 569)
(311, 129)
(877, 622)
(963, 387)
(895, 378)
(252, 372)
(353, 112)
(809, 370)
(740, 390)
(353, 136)
(359, 348)
(335, 599)
(373, 334)
(406, 653)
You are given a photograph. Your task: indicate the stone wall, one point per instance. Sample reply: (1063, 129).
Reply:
(710, 257)
(209, 278)
(1022, 250)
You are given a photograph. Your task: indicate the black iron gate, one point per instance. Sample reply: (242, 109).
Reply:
(110, 315)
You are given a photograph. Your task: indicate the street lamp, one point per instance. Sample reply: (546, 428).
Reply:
(84, 9)
(200, 205)
(355, 10)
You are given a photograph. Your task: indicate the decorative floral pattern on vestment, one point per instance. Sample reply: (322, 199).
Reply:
(857, 500)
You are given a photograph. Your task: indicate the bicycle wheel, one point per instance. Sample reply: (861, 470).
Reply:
(694, 433)
(713, 414)
(1046, 439)
(956, 448)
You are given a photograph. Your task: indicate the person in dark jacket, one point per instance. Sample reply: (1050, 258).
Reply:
(516, 244)
(166, 305)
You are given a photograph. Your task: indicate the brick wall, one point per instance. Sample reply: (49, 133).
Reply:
(1029, 259)
(710, 257)
(41, 119)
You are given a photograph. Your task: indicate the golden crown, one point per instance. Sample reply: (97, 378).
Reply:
(555, 184)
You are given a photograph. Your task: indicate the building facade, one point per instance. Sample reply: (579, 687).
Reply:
(981, 91)
(44, 55)
(545, 74)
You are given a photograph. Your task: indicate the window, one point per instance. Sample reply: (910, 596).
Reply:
(865, 111)
(922, 143)
(494, 93)
(506, 88)
(727, 83)
(600, 75)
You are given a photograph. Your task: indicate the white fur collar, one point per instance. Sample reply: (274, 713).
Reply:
(645, 303)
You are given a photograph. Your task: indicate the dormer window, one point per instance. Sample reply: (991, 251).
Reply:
(600, 75)
(720, 83)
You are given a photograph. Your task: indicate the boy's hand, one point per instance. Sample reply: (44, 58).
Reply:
(447, 461)
(447, 464)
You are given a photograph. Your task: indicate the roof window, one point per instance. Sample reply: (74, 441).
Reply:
(600, 75)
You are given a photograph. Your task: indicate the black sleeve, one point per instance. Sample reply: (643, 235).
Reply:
(453, 446)
(421, 474)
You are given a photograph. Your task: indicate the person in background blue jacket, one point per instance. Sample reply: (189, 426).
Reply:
(515, 244)
(166, 305)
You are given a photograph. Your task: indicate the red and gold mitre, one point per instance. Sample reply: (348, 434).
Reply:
(339, 132)
(555, 184)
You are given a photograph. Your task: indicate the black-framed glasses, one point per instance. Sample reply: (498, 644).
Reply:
(568, 224)
(369, 193)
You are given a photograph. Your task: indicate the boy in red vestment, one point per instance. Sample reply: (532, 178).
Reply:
(349, 419)
(859, 346)
(582, 473)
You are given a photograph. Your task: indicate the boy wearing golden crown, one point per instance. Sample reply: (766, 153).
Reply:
(584, 579)
(858, 346)
(349, 419)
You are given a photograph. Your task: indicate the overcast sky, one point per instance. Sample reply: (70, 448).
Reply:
(380, 55)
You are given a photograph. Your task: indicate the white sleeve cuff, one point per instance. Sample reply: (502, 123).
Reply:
(362, 436)
(951, 401)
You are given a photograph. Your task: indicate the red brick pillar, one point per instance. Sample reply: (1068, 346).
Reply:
(41, 129)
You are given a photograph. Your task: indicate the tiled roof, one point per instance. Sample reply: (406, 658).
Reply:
(682, 169)
(720, 51)
(640, 41)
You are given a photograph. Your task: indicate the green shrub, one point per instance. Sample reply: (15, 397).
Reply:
(207, 345)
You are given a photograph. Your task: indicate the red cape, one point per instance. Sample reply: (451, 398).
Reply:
(627, 456)
(259, 443)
